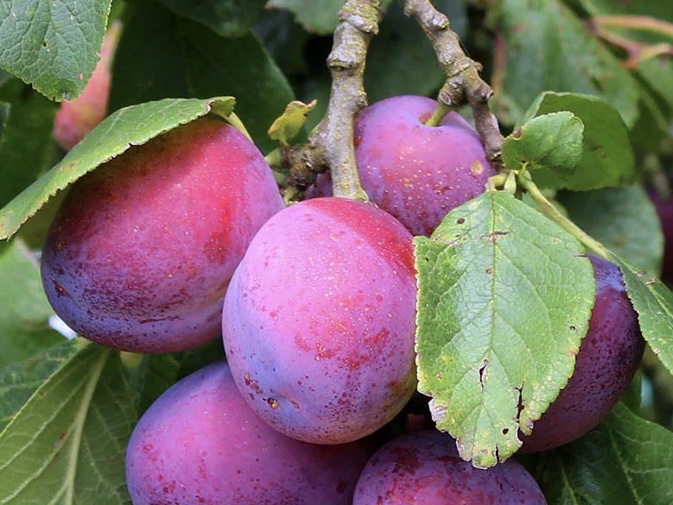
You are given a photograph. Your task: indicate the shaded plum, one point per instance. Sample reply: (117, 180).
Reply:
(424, 468)
(608, 359)
(75, 118)
(415, 172)
(141, 250)
(200, 444)
(664, 208)
(318, 323)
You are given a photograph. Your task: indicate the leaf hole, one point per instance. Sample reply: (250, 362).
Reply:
(460, 220)
(572, 327)
(505, 431)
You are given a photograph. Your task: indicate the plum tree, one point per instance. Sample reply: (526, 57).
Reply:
(140, 253)
(75, 118)
(424, 468)
(200, 444)
(414, 171)
(318, 323)
(608, 359)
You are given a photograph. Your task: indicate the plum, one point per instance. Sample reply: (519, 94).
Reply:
(140, 253)
(415, 172)
(200, 444)
(76, 118)
(318, 323)
(664, 208)
(608, 359)
(424, 468)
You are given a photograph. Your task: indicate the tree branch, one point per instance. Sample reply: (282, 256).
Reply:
(463, 83)
(330, 145)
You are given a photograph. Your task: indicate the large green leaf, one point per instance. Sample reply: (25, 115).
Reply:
(653, 302)
(547, 47)
(24, 310)
(625, 460)
(67, 444)
(161, 55)
(607, 158)
(52, 45)
(623, 219)
(505, 297)
(229, 18)
(117, 133)
(19, 380)
(26, 145)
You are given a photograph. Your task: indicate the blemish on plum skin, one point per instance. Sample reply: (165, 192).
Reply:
(273, 403)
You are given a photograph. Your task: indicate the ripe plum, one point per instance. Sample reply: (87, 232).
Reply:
(424, 468)
(319, 320)
(608, 359)
(141, 250)
(200, 444)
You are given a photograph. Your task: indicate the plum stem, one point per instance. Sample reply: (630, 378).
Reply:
(438, 114)
(463, 83)
(330, 144)
(524, 180)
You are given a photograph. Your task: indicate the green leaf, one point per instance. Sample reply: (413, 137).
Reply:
(316, 17)
(505, 296)
(18, 381)
(653, 302)
(625, 460)
(117, 133)
(67, 444)
(623, 219)
(400, 60)
(26, 145)
(229, 18)
(160, 55)
(24, 310)
(552, 141)
(288, 125)
(607, 157)
(52, 45)
(547, 47)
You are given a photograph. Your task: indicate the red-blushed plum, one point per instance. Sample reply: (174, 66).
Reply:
(664, 208)
(608, 359)
(200, 444)
(141, 250)
(423, 468)
(415, 172)
(318, 323)
(76, 118)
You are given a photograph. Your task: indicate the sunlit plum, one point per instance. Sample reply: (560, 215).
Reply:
(318, 323)
(200, 444)
(141, 250)
(415, 172)
(608, 359)
(76, 118)
(424, 468)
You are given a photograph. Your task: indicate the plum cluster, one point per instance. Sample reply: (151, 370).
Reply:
(186, 238)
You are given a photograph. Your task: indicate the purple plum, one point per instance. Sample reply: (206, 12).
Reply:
(415, 172)
(200, 444)
(319, 320)
(424, 468)
(608, 359)
(141, 250)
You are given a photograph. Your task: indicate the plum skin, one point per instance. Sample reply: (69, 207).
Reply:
(608, 359)
(200, 444)
(424, 468)
(140, 253)
(664, 208)
(418, 173)
(318, 323)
